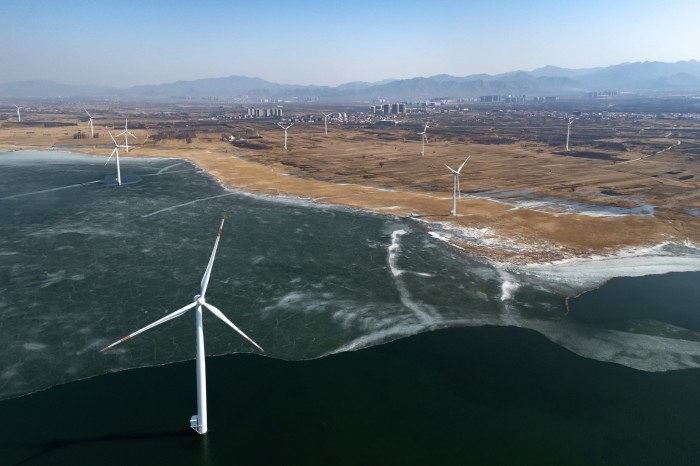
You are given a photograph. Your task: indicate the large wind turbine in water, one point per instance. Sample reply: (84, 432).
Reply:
(198, 422)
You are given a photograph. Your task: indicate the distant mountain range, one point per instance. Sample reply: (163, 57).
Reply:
(638, 77)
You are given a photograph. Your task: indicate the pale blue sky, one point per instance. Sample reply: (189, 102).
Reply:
(125, 43)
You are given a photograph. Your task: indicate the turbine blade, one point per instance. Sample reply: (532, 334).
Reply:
(450, 169)
(113, 140)
(207, 272)
(460, 167)
(170, 316)
(221, 316)
(110, 157)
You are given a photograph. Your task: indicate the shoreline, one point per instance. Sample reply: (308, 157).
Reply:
(484, 228)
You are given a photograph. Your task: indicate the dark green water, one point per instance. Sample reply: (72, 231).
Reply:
(484, 395)
(341, 301)
(673, 298)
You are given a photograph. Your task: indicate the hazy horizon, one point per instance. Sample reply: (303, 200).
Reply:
(326, 44)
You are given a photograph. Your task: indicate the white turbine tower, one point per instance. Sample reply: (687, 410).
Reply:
(325, 120)
(116, 151)
(568, 131)
(126, 134)
(92, 129)
(19, 117)
(455, 185)
(285, 133)
(424, 139)
(199, 421)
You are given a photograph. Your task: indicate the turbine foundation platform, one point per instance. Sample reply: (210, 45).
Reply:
(127, 178)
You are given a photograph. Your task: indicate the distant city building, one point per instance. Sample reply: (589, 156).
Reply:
(549, 98)
(516, 99)
(509, 99)
(599, 94)
(490, 98)
(264, 112)
(388, 109)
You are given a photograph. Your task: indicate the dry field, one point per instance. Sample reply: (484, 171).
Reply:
(614, 160)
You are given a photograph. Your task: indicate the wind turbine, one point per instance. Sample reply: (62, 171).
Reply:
(92, 129)
(424, 139)
(455, 185)
(116, 151)
(19, 117)
(325, 119)
(285, 133)
(568, 131)
(126, 134)
(199, 421)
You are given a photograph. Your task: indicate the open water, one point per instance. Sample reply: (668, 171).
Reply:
(83, 263)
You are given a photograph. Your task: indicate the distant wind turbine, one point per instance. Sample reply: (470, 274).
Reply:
(325, 119)
(424, 139)
(19, 117)
(455, 185)
(198, 422)
(126, 134)
(92, 129)
(285, 133)
(568, 131)
(116, 151)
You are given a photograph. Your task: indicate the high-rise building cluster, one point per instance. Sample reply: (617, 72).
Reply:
(263, 112)
(388, 109)
(509, 99)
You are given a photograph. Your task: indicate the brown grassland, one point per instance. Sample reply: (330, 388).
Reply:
(614, 160)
